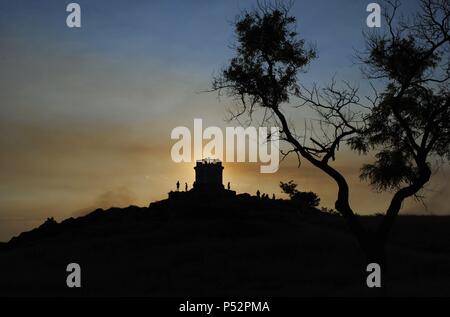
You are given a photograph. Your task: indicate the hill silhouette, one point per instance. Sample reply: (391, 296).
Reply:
(236, 245)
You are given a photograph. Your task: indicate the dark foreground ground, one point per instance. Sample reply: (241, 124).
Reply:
(233, 247)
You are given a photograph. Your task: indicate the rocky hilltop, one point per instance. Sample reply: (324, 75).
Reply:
(237, 245)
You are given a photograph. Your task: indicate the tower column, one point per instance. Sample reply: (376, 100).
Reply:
(208, 174)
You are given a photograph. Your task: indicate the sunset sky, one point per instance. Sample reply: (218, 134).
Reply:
(86, 114)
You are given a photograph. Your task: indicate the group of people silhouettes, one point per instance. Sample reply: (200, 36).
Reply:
(186, 186)
(264, 195)
(258, 193)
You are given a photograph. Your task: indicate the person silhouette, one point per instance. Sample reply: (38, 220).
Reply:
(229, 186)
(258, 194)
(178, 186)
(273, 196)
(185, 187)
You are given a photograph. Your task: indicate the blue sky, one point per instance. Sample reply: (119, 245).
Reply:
(180, 33)
(181, 43)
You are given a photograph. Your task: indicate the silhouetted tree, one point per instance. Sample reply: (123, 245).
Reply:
(404, 126)
(289, 188)
(307, 199)
(304, 199)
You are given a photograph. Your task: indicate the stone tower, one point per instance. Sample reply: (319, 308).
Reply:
(208, 174)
